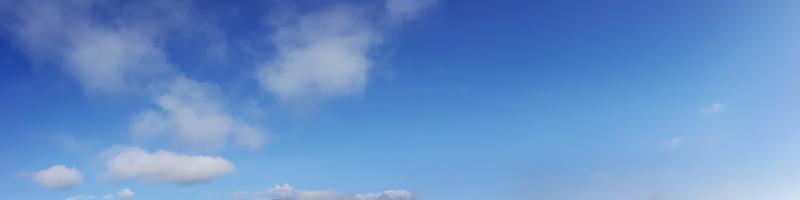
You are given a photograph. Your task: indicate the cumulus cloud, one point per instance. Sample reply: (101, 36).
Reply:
(713, 109)
(163, 166)
(122, 194)
(287, 192)
(106, 55)
(57, 177)
(194, 113)
(320, 55)
(325, 54)
(123, 50)
(114, 60)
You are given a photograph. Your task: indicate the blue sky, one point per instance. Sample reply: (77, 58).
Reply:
(400, 99)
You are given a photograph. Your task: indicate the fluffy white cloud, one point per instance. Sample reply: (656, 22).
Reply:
(196, 116)
(287, 192)
(57, 177)
(104, 55)
(114, 60)
(120, 51)
(122, 194)
(164, 166)
(321, 55)
(325, 55)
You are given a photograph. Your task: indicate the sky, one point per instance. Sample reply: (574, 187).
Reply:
(400, 99)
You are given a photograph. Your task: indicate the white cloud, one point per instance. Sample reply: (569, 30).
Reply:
(320, 56)
(125, 193)
(713, 109)
(80, 197)
(57, 177)
(249, 137)
(122, 194)
(196, 116)
(400, 10)
(111, 46)
(325, 55)
(287, 192)
(149, 124)
(386, 195)
(104, 56)
(114, 60)
(164, 166)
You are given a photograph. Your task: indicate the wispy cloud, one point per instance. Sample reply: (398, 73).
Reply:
(194, 113)
(287, 192)
(401, 10)
(122, 194)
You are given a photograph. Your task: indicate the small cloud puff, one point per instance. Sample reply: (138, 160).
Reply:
(399, 10)
(122, 194)
(125, 193)
(57, 177)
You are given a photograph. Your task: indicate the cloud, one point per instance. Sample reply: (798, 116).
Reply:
(106, 55)
(400, 10)
(287, 192)
(713, 109)
(164, 166)
(386, 195)
(149, 124)
(113, 46)
(195, 115)
(114, 60)
(249, 137)
(320, 56)
(122, 194)
(125, 193)
(80, 197)
(57, 177)
(325, 55)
